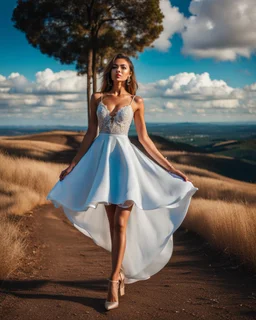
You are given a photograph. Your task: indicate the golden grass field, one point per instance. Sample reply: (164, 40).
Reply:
(222, 210)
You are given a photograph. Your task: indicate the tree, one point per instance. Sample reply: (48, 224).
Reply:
(86, 32)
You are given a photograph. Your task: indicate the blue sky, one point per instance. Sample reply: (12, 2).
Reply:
(232, 64)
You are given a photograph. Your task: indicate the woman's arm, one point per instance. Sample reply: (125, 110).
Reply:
(91, 132)
(147, 143)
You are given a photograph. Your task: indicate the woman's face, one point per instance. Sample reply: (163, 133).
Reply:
(120, 70)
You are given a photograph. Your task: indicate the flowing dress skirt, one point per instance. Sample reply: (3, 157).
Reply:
(114, 170)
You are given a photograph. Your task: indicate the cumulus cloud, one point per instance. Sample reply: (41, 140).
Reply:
(63, 81)
(62, 96)
(196, 87)
(198, 93)
(220, 29)
(173, 22)
(251, 87)
(51, 96)
(190, 86)
(46, 82)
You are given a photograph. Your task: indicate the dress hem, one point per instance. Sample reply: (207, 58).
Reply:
(175, 204)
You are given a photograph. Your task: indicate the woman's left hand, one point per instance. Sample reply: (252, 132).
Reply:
(179, 173)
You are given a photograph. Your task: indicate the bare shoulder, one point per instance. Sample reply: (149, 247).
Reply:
(95, 99)
(138, 99)
(139, 102)
(96, 95)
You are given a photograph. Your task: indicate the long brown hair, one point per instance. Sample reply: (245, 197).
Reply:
(107, 82)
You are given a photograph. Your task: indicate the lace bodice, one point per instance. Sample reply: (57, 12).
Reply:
(118, 123)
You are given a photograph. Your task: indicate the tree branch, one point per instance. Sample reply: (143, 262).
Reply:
(113, 19)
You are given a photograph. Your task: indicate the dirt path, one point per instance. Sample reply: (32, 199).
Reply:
(65, 278)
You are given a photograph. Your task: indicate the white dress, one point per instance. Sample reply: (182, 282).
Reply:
(113, 170)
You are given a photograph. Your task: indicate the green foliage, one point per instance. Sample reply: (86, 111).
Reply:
(68, 29)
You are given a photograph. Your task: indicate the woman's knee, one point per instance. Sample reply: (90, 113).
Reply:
(121, 219)
(119, 225)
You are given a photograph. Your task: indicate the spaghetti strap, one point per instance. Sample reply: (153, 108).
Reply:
(132, 99)
(101, 97)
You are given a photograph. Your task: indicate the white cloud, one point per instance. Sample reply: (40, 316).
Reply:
(173, 22)
(190, 86)
(32, 101)
(19, 84)
(196, 87)
(170, 105)
(63, 81)
(220, 29)
(180, 95)
(188, 93)
(14, 75)
(251, 87)
(51, 95)
(46, 82)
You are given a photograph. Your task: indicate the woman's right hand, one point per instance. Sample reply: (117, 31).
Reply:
(66, 171)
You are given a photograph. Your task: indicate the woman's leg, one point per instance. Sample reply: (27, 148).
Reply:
(110, 210)
(118, 221)
(119, 239)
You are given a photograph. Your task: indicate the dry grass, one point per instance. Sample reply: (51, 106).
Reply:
(31, 149)
(24, 184)
(222, 210)
(226, 190)
(12, 248)
(227, 226)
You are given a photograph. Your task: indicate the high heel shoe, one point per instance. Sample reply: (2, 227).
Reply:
(121, 286)
(113, 304)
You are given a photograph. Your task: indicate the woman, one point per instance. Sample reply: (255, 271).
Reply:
(113, 193)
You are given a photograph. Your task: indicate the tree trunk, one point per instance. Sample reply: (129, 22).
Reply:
(94, 72)
(89, 77)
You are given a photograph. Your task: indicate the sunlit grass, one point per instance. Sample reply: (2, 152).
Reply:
(12, 246)
(229, 226)
(222, 210)
(24, 184)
